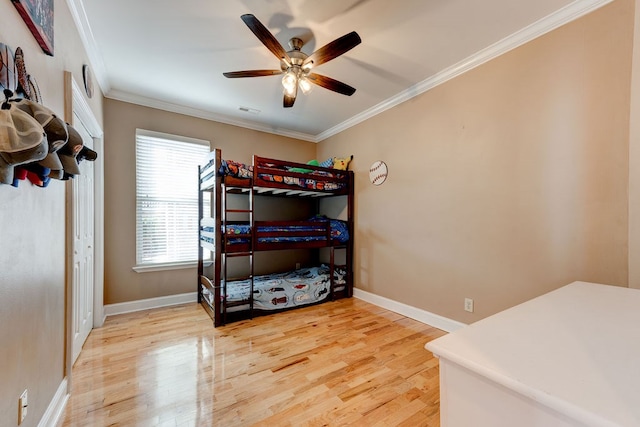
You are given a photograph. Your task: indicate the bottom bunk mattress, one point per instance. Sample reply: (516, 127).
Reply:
(285, 290)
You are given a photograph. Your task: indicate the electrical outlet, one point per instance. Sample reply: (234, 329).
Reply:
(22, 406)
(468, 305)
(297, 266)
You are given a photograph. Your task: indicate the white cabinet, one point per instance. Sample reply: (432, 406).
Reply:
(567, 358)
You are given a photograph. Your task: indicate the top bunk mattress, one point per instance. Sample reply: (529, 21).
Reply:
(273, 176)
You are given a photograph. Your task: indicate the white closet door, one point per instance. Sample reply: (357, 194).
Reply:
(83, 211)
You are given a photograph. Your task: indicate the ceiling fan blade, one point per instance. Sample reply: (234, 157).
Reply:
(251, 73)
(333, 49)
(331, 84)
(265, 37)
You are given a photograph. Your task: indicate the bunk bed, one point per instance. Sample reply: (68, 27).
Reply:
(228, 298)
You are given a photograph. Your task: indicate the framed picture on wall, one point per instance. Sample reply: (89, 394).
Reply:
(38, 15)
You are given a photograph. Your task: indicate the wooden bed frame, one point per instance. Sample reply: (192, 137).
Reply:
(212, 286)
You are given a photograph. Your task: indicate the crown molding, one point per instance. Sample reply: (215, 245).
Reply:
(79, 15)
(543, 26)
(202, 114)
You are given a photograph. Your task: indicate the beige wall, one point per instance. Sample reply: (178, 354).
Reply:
(504, 183)
(634, 160)
(32, 230)
(121, 282)
(521, 188)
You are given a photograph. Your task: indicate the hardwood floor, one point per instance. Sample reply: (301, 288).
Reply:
(340, 363)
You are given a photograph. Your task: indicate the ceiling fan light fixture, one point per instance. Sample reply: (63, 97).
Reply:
(305, 85)
(290, 81)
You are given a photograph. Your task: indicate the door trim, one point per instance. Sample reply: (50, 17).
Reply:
(75, 102)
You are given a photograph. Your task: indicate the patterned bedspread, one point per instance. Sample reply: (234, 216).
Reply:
(307, 183)
(236, 169)
(237, 233)
(242, 170)
(339, 231)
(283, 290)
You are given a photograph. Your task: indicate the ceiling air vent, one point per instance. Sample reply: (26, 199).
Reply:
(249, 110)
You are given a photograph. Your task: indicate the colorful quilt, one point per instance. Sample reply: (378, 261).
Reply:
(339, 231)
(307, 183)
(283, 290)
(242, 170)
(236, 169)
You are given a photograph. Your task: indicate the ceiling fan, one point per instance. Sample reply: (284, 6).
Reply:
(297, 65)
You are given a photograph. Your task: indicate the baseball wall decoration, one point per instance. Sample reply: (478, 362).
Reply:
(378, 172)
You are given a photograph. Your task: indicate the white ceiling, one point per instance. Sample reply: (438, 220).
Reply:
(171, 54)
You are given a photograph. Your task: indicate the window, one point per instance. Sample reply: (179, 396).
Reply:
(167, 199)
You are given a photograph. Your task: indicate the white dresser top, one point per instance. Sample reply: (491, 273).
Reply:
(576, 350)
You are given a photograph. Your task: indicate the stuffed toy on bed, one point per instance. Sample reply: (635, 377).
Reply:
(342, 163)
(331, 162)
(302, 170)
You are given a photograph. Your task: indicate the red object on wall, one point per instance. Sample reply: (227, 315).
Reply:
(38, 15)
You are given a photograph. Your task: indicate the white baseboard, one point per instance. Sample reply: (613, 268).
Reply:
(98, 320)
(53, 415)
(98, 316)
(146, 304)
(418, 314)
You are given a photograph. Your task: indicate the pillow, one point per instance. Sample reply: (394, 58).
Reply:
(327, 163)
(302, 170)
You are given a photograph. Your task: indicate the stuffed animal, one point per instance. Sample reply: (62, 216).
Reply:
(302, 170)
(331, 162)
(342, 163)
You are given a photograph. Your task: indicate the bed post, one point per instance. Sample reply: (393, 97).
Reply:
(350, 214)
(200, 249)
(217, 253)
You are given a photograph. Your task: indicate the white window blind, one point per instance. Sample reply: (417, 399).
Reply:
(167, 198)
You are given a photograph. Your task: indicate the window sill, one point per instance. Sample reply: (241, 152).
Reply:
(167, 266)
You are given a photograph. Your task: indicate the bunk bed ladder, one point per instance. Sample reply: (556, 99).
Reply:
(248, 254)
(220, 285)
